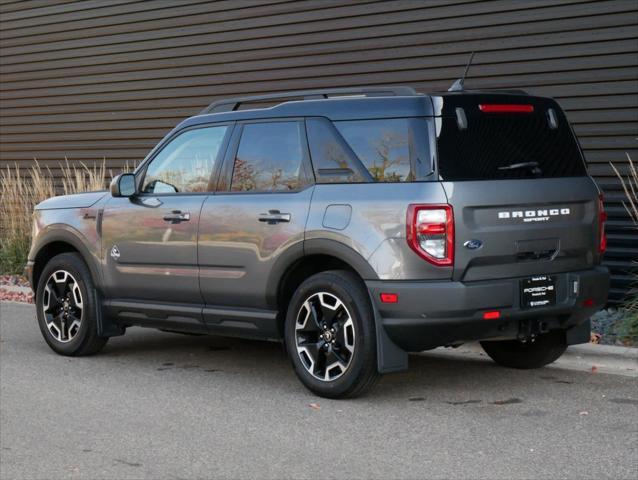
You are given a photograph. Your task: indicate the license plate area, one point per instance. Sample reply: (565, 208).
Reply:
(538, 291)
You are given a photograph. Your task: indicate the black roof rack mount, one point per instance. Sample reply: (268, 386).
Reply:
(232, 104)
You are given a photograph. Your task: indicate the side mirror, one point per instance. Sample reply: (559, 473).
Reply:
(123, 185)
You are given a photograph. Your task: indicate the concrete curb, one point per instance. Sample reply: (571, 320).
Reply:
(16, 288)
(603, 351)
(587, 358)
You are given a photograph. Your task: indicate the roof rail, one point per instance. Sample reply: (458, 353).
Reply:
(514, 91)
(232, 104)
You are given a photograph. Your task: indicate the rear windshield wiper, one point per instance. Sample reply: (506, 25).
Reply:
(533, 166)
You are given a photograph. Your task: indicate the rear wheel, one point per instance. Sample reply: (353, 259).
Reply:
(545, 349)
(67, 308)
(330, 335)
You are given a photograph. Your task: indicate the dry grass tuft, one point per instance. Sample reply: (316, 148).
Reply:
(83, 179)
(630, 187)
(23, 188)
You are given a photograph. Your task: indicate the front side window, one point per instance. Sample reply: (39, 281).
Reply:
(186, 163)
(392, 150)
(269, 158)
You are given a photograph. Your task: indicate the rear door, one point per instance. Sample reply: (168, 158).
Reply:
(253, 223)
(516, 179)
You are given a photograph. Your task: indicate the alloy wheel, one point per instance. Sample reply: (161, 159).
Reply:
(325, 336)
(62, 306)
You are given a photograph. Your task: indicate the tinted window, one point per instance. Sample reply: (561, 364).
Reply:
(392, 150)
(332, 158)
(186, 163)
(537, 144)
(269, 158)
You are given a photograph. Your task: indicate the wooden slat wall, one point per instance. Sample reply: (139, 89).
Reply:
(95, 79)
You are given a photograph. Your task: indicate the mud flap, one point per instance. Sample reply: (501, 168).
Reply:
(106, 327)
(390, 357)
(579, 334)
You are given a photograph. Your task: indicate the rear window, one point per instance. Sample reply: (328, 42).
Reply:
(487, 145)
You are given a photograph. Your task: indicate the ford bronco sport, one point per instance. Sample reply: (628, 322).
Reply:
(354, 225)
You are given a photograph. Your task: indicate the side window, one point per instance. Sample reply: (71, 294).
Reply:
(186, 163)
(269, 158)
(392, 150)
(332, 158)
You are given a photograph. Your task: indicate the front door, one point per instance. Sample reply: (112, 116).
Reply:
(254, 222)
(149, 242)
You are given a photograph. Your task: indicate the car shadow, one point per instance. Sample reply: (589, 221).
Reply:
(430, 375)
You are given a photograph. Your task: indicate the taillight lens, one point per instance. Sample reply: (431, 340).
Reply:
(505, 108)
(602, 218)
(430, 232)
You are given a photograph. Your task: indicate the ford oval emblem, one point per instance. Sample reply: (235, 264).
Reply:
(473, 244)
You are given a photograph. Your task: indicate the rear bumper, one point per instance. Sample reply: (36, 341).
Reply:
(432, 314)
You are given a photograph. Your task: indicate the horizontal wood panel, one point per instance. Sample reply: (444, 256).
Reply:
(137, 17)
(347, 16)
(372, 25)
(517, 35)
(410, 58)
(95, 81)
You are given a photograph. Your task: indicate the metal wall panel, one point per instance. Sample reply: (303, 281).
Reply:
(92, 80)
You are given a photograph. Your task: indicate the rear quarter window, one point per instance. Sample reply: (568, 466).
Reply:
(391, 150)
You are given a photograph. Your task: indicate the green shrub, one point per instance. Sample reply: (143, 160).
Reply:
(627, 329)
(13, 254)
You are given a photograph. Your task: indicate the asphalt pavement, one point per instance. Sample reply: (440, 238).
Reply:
(160, 405)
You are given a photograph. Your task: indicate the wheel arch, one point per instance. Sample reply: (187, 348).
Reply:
(55, 243)
(318, 255)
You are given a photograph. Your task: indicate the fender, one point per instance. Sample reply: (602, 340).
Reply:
(315, 246)
(323, 246)
(66, 234)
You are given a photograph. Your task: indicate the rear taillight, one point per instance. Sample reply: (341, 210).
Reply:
(602, 218)
(430, 232)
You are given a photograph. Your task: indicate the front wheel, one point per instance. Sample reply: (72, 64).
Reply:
(67, 307)
(330, 335)
(545, 349)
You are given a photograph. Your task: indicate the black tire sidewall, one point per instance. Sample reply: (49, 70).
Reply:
(349, 290)
(513, 354)
(73, 264)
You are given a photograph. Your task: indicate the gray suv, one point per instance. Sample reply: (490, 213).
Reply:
(353, 225)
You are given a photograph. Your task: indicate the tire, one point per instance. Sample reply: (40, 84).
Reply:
(547, 348)
(339, 299)
(69, 327)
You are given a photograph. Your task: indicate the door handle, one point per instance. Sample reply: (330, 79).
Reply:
(274, 216)
(176, 216)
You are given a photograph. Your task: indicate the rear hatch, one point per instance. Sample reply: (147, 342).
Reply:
(516, 179)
